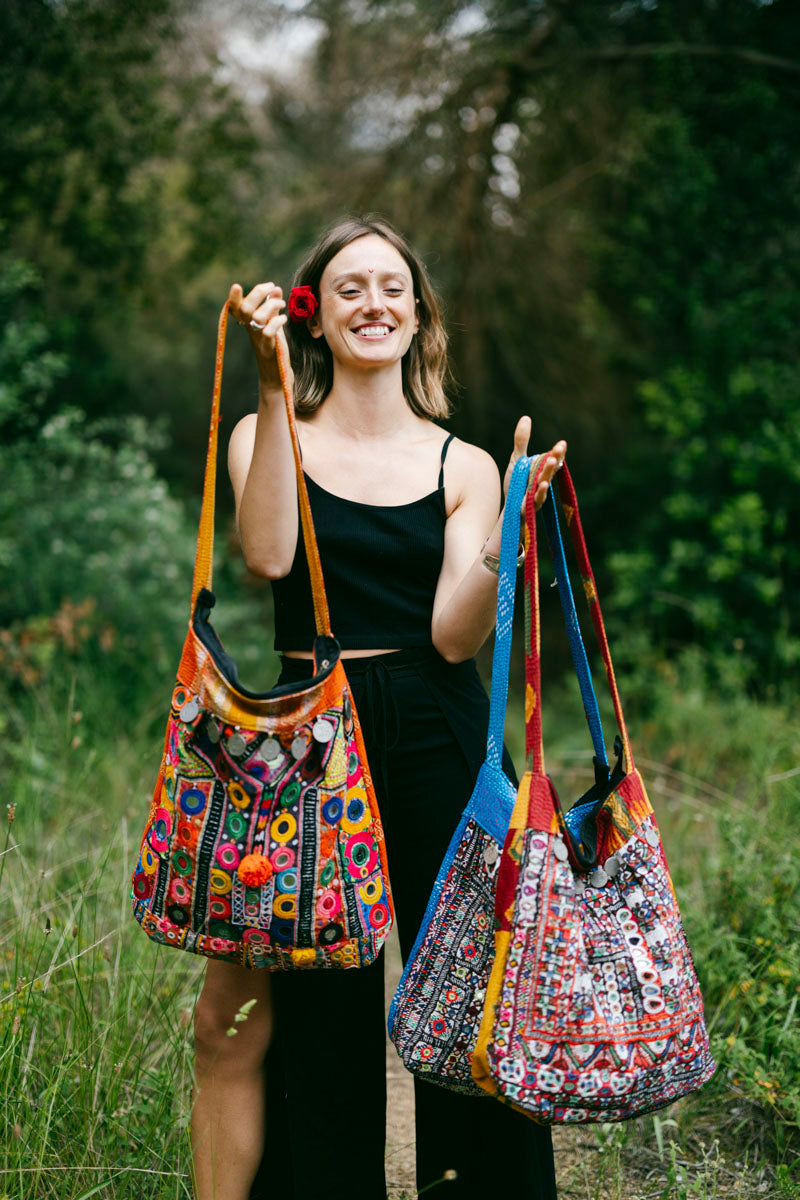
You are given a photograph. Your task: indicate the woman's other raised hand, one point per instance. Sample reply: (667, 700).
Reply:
(260, 311)
(554, 461)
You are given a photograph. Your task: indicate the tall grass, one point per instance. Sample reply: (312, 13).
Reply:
(94, 1052)
(95, 1021)
(723, 773)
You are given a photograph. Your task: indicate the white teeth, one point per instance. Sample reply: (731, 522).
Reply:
(374, 331)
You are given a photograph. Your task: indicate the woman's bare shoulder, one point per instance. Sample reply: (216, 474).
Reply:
(243, 437)
(244, 430)
(471, 466)
(471, 477)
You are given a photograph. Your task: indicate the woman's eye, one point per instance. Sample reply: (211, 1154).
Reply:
(349, 293)
(395, 291)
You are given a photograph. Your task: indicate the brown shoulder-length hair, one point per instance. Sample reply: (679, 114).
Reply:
(424, 365)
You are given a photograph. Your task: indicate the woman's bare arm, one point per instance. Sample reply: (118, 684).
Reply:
(466, 595)
(260, 461)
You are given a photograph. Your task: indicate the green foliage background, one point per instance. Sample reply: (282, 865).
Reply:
(608, 197)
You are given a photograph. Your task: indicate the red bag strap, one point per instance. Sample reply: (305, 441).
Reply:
(533, 697)
(534, 750)
(204, 556)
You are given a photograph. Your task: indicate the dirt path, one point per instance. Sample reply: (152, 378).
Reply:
(400, 1106)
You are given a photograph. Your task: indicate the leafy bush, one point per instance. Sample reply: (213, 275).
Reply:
(90, 539)
(719, 563)
(697, 296)
(96, 553)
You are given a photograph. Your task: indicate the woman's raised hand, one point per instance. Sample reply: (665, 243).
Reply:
(261, 312)
(554, 460)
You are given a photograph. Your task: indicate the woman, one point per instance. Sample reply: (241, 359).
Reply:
(407, 524)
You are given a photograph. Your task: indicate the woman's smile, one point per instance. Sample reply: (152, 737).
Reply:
(376, 329)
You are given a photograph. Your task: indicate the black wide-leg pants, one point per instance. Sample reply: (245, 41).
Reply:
(424, 723)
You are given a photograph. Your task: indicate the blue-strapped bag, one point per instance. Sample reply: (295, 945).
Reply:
(436, 1012)
(437, 1009)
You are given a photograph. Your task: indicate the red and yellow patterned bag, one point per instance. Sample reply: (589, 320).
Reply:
(593, 1010)
(264, 845)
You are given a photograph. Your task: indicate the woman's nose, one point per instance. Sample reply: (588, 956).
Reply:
(373, 300)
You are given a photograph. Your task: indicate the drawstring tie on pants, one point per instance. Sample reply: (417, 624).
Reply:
(384, 719)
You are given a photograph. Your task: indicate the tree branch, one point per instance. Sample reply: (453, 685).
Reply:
(566, 183)
(690, 50)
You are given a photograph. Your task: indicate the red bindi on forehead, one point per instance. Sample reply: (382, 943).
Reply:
(366, 256)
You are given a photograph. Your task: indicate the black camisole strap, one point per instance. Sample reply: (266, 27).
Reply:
(447, 442)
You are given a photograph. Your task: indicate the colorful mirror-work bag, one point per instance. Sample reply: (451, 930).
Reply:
(264, 844)
(436, 1011)
(593, 1009)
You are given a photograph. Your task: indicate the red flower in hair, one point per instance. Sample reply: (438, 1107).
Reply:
(302, 303)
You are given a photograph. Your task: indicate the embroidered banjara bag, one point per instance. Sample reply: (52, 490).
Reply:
(264, 845)
(436, 1011)
(593, 1009)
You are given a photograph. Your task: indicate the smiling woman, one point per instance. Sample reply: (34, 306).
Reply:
(423, 367)
(406, 518)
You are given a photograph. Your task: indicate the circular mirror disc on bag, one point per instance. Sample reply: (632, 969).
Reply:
(271, 749)
(189, 711)
(236, 744)
(560, 850)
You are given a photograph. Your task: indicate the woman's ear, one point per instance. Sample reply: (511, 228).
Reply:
(313, 325)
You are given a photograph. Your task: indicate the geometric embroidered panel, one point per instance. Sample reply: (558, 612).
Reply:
(437, 1011)
(600, 1016)
(438, 1007)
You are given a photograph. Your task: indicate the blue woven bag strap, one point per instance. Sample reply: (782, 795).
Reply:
(577, 648)
(506, 587)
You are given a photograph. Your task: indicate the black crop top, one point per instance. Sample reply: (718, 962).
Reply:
(381, 564)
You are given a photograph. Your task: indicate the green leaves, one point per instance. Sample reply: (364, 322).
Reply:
(607, 195)
(696, 262)
(28, 367)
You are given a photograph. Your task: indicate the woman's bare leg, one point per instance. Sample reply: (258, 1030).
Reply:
(228, 1108)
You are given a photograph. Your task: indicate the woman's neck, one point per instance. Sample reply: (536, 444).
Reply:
(366, 405)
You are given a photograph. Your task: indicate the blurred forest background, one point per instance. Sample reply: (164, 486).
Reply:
(607, 195)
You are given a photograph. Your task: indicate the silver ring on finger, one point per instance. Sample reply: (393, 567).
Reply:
(255, 325)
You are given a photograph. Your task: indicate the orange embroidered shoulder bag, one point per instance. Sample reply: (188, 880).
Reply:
(264, 844)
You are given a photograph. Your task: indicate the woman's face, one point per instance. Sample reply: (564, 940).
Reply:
(367, 311)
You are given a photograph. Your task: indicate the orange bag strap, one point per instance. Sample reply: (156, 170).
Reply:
(204, 556)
